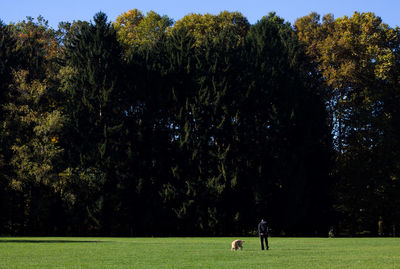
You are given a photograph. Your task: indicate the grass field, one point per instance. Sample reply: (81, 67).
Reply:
(71, 252)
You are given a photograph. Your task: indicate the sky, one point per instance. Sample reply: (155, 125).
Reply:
(69, 10)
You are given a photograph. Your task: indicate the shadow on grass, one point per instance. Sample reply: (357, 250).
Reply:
(46, 241)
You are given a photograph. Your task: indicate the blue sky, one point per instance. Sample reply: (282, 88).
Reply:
(68, 10)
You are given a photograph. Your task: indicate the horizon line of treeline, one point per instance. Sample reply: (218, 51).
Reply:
(200, 127)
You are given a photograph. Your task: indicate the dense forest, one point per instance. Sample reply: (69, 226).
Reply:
(149, 127)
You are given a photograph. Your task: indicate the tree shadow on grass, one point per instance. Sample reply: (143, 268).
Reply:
(48, 241)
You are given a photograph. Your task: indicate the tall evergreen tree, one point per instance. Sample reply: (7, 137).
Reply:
(284, 127)
(93, 81)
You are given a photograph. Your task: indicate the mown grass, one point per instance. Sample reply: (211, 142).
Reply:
(70, 252)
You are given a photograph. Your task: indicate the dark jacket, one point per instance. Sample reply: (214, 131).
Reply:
(263, 228)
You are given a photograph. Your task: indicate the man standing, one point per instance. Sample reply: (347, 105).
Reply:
(263, 233)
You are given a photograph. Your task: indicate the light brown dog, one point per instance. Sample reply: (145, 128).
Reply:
(237, 244)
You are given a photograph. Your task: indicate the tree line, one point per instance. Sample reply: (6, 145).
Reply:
(149, 127)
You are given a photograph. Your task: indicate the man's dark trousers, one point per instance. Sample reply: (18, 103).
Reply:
(264, 237)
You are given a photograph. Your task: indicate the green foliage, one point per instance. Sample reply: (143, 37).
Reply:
(135, 29)
(8, 61)
(8, 58)
(205, 26)
(92, 80)
(34, 150)
(31, 125)
(138, 127)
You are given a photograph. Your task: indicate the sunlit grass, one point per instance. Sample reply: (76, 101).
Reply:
(69, 252)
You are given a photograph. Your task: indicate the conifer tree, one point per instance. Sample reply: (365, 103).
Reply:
(93, 82)
(283, 129)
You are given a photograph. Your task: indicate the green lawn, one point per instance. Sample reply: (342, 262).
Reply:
(70, 252)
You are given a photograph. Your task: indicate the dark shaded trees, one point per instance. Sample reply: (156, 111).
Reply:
(198, 129)
(8, 61)
(284, 128)
(235, 125)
